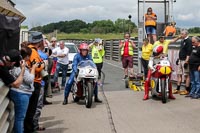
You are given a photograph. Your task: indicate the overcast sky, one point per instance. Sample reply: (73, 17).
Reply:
(40, 12)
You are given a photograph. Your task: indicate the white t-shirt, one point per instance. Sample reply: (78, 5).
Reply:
(59, 51)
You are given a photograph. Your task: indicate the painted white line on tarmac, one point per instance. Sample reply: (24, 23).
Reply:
(113, 65)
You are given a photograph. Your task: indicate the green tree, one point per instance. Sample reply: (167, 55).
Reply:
(124, 25)
(102, 26)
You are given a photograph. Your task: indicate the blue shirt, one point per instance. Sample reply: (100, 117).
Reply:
(43, 55)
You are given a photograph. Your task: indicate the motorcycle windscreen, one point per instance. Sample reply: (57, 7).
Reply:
(85, 63)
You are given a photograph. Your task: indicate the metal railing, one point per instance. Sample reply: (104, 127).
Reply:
(6, 110)
(112, 51)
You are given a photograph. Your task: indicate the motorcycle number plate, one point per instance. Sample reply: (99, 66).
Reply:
(164, 63)
(90, 72)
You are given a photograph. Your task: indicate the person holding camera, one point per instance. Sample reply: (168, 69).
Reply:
(20, 96)
(127, 46)
(35, 40)
(150, 24)
(97, 54)
(182, 62)
(7, 61)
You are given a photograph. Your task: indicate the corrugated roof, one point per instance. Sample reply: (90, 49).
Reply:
(7, 9)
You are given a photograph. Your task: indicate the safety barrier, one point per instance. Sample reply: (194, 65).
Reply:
(6, 110)
(112, 52)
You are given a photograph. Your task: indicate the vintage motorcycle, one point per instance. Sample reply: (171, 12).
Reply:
(84, 82)
(160, 79)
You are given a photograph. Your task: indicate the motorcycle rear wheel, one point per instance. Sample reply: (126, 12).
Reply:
(89, 94)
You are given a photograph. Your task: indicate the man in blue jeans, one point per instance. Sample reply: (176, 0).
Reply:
(194, 66)
(83, 55)
(61, 53)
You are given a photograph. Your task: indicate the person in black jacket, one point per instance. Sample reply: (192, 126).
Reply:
(194, 65)
(182, 62)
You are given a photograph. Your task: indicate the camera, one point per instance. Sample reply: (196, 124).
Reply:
(46, 50)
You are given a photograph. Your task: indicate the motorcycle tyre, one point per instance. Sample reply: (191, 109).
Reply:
(163, 91)
(89, 95)
(75, 98)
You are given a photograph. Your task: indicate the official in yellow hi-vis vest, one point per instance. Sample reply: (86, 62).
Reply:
(97, 54)
(127, 46)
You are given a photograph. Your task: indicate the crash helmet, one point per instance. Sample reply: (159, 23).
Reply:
(157, 50)
(83, 46)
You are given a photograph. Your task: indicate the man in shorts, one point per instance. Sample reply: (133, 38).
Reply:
(127, 46)
(182, 62)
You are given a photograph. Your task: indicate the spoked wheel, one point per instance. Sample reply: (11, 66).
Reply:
(74, 90)
(89, 94)
(163, 90)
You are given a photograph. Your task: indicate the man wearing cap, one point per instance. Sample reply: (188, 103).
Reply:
(8, 61)
(35, 40)
(165, 43)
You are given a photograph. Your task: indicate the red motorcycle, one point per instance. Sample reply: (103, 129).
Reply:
(158, 80)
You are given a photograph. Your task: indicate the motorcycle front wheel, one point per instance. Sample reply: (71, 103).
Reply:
(163, 90)
(74, 90)
(89, 94)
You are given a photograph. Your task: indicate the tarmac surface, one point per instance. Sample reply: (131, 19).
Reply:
(130, 113)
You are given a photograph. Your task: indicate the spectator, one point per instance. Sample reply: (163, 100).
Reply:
(150, 24)
(61, 53)
(52, 47)
(182, 62)
(127, 47)
(35, 39)
(53, 43)
(20, 96)
(146, 53)
(165, 43)
(43, 92)
(97, 57)
(194, 66)
(44, 57)
(97, 54)
(170, 30)
(6, 63)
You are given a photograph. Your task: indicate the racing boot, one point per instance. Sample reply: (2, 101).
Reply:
(170, 92)
(146, 90)
(146, 85)
(65, 100)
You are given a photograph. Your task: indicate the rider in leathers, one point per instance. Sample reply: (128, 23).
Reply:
(83, 55)
(157, 53)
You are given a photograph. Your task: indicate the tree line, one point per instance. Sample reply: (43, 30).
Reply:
(79, 26)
